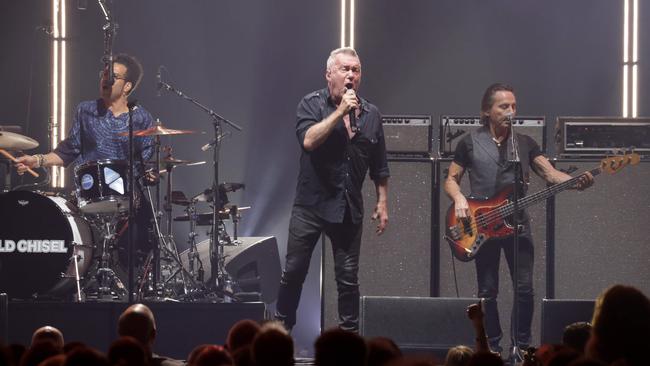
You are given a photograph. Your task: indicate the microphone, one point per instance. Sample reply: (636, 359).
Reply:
(508, 117)
(352, 114)
(213, 142)
(159, 84)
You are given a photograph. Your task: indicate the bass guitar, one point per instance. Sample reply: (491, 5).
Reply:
(493, 217)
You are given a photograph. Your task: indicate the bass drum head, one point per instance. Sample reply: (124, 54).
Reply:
(35, 244)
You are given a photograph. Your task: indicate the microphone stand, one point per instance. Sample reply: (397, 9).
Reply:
(516, 162)
(110, 30)
(131, 220)
(217, 260)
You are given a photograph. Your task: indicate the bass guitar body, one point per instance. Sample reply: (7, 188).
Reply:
(488, 219)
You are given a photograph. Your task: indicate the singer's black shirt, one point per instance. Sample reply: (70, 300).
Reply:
(331, 176)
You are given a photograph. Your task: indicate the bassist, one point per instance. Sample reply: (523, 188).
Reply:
(485, 154)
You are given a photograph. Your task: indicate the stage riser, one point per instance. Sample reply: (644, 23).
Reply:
(180, 326)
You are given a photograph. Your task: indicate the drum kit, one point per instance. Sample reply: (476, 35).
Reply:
(50, 244)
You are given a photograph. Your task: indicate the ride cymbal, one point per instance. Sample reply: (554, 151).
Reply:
(158, 130)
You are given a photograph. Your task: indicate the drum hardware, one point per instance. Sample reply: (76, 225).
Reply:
(174, 268)
(75, 259)
(193, 254)
(105, 285)
(219, 275)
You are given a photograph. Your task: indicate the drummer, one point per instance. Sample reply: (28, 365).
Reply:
(97, 123)
(96, 135)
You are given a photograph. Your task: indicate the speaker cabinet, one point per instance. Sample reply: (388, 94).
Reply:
(407, 134)
(454, 128)
(254, 264)
(557, 314)
(418, 323)
(600, 237)
(397, 263)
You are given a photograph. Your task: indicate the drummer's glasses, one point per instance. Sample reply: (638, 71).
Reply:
(117, 77)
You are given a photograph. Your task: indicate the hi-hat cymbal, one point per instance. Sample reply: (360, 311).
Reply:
(15, 141)
(158, 130)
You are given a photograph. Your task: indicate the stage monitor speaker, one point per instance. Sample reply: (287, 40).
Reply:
(418, 323)
(557, 314)
(398, 262)
(254, 264)
(454, 128)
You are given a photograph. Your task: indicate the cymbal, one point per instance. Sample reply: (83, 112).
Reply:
(15, 141)
(179, 198)
(205, 218)
(206, 195)
(158, 130)
(171, 162)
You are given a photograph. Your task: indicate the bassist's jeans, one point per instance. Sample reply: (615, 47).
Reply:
(487, 273)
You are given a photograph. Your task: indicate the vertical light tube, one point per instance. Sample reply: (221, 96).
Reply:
(55, 85)
(626, 30)
(634, 90)
(625, 74)
(635, 31)
(343, 5)
(352, 6)
(63, 89)
(635, 57)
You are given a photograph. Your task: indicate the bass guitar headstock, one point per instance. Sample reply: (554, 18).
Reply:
(613, 164)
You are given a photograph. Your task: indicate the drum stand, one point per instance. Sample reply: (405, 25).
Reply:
(166, 246)
(105, 285)
(193, 253)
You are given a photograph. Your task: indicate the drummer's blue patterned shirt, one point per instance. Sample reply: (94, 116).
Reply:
(101, 139)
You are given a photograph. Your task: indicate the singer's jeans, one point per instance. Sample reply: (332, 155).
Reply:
(305, 230)
(487, 273)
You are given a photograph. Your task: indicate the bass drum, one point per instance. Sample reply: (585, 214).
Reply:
(38, 237)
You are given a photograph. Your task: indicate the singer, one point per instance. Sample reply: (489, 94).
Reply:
(485, 153)
(333, 166)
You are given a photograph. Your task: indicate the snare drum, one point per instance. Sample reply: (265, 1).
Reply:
(38, 237)
(102, 187)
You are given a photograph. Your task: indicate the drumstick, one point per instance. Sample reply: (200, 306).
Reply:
(11, 157)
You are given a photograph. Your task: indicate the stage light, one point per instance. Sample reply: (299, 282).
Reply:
(343, 4)
(630, 58)
(59, 55)
(352, 6)
(347, 23)
(635, 56)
